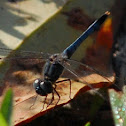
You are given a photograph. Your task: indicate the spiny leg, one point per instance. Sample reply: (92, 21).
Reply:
(70, 85)
(33, 102)
(57, 95)
(44, 102)
(52, 99)
(52, 95)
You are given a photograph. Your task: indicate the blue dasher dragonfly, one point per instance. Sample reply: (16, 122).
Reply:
(56, 63)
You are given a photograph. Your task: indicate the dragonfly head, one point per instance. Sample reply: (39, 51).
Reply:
(42, 87)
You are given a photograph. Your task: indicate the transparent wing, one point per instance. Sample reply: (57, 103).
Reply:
(22, 54)
(86, 74)
(27, 59)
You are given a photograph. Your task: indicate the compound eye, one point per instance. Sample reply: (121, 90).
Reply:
(36, 83)
(46, 86)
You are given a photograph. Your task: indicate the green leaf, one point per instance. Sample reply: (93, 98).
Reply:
(6, 107)
(118, 104)
(88, 124)
(2, 120)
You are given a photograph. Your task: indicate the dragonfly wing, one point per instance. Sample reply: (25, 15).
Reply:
(22, 54)
(23, 58)
(85, 73)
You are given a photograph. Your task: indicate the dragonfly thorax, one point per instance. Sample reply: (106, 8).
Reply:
(43, 87)
(58, 57)
(52, 69)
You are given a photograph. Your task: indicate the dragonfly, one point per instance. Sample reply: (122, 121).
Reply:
(56, 63)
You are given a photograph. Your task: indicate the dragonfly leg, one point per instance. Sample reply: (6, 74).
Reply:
(44, 102)
(57, 95)
(52, 99)
(69, 83)
(33, 102)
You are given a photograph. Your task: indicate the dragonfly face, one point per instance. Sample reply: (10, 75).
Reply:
(42, 88)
